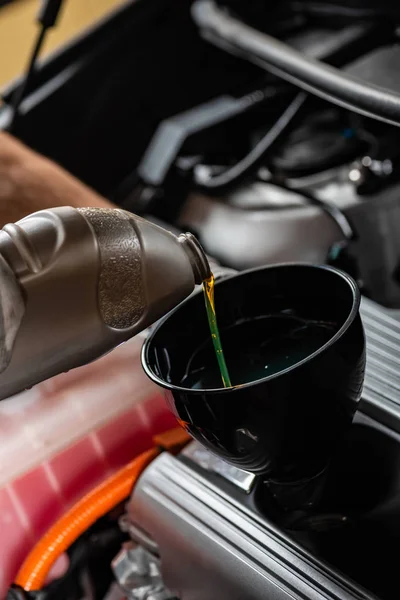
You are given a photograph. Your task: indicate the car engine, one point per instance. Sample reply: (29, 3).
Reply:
(273, 138)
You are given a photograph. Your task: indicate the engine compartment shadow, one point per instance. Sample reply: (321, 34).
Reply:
(356, 528)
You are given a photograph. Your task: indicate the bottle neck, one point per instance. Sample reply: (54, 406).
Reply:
(198, 259)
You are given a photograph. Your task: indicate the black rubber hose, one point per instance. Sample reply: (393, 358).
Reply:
(307, 73)
(257, 155)
(331, 210)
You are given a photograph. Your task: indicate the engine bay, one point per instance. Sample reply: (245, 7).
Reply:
(269, 132)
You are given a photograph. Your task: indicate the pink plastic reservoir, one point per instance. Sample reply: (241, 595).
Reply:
(60, 439)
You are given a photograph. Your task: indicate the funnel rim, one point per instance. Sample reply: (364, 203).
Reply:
(237, 388)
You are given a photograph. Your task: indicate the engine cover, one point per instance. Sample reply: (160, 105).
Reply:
(214, 547)
(260, 224)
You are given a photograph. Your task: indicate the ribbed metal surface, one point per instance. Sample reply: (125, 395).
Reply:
(213, 547)
(381, 397)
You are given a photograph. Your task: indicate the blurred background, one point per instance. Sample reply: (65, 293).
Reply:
(18, 29)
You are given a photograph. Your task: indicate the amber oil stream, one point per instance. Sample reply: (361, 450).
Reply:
(208, 288)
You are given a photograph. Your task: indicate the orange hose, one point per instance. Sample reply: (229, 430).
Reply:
(78, 519)
(97, 503)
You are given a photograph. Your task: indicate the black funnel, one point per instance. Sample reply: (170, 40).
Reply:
(295, 349)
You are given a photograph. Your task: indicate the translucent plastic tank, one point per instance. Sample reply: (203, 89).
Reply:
(64, 436)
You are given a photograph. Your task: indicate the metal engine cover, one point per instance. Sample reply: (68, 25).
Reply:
(214, 548)
(259, 224)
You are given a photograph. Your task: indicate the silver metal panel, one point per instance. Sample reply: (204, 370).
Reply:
(204, 459)
(381, 395)
(214, 548)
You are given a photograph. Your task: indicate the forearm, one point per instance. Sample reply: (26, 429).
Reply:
(30, 182)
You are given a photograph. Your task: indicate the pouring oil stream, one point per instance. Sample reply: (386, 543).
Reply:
(208, 288)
